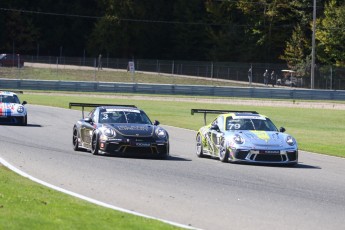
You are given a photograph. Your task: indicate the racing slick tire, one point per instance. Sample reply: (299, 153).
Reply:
(164, 155)
(24, 121)
(199, 148)
(94, 144)
(223, 152)
(75, 141)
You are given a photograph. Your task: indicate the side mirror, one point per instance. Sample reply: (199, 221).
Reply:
(88, 119)
(24, 103)
(282, 129)
(214, 127)
(156, 122)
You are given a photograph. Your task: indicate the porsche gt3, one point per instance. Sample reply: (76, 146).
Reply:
(11, 110)
(245, 136)
(119, 129)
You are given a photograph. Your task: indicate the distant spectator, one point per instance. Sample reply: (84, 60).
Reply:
(250, 74)
(273, 78)
(266, 77)
(100, 61)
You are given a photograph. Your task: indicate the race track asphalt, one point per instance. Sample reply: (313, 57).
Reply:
(199, 192)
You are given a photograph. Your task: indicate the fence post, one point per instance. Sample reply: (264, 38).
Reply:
(157, 67)
(172, 71)
(331, 78)
(57, 66)
(95, 66)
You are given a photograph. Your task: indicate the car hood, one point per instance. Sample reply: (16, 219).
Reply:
(264, 138)
(132, 129)
(10, 109)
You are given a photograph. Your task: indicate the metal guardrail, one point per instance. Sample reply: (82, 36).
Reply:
(171, 89)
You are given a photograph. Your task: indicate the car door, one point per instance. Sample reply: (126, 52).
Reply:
(87, 128)
(216, 134)
(211, 137)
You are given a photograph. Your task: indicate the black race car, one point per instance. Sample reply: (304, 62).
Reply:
(119, 129)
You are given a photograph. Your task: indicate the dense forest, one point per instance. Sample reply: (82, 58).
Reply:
(263, 31)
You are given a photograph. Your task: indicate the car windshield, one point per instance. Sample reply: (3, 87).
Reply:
(261, 124)
(129, 116)
(2, 55)
(9, 99)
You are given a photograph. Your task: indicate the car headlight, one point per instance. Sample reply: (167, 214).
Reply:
(238, 139)
(290, 140)
(109, 133)
(20, 109)
(161, 133)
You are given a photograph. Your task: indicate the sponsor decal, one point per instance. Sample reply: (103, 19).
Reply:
(124, 110)
(249, 117)
(132, 128)
(261, 135)
(270, 151)
(142, 144)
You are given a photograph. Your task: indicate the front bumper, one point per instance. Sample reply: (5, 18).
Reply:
(286, 156)
(135, 146)
(10, 120)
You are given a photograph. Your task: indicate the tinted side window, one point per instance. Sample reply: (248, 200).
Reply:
(16, 99)
(95, 115)
(145, 118)
(220, 122)
(92, 114)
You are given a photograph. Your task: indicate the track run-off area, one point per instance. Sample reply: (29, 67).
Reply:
(199, 192)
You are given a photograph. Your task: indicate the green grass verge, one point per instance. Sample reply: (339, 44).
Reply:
(62, 74)
(316, 130)
(27, 205)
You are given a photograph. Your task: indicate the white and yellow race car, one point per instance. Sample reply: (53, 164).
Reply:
(245, 136)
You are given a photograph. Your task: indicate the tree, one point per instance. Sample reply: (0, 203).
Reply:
(133, 29)
(330, 34)
(296, 53)
(256, 30)
(20, 34)
(188, 35)
(224, 34)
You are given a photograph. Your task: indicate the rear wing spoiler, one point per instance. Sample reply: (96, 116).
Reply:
(91, 105)
(206, 111)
